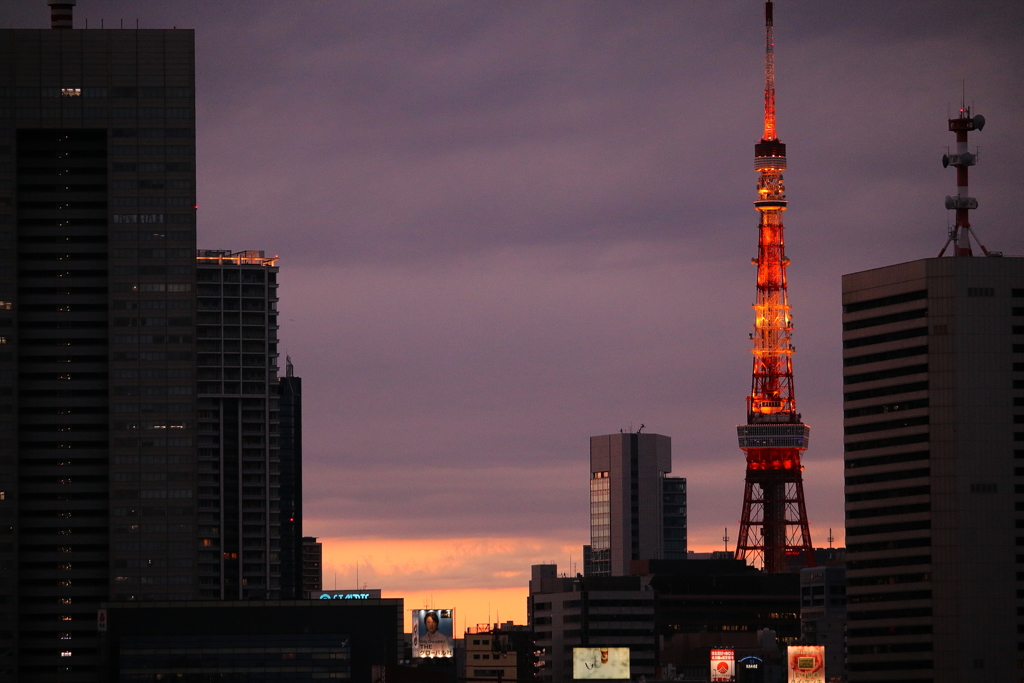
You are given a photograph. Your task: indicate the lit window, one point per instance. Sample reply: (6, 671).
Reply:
(70, 92)
(65, 636)
(65, 653)
(65, 617)
(5, 305)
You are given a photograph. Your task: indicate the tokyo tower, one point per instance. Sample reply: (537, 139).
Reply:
(774, 525)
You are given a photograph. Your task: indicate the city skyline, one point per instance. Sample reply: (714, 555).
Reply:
(487, 215)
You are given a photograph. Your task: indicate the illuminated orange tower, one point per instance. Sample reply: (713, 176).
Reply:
(774, 523)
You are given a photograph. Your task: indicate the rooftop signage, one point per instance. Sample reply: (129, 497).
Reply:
(364, 594)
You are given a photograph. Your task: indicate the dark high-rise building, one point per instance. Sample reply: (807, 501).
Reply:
(312, 567)
(629, 518)
(290, 454)
(97, 385)
(238, 455)
(933, 356)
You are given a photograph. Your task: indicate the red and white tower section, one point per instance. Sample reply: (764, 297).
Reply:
(960, 234)
(774, 524)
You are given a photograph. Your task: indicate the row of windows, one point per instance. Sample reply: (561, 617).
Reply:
(152, 322)
(888, 493)
(151, 201)
(151, 512)
(888, 476)
(152, 407)
(885, 443)
(168, 236)
(885, 355)
(917, 525)
(887, 459)
(889, 510)
(152, 338)
(886, 425)
(907, 560)
(885, 319)
(890, 597)
(886, 391)
(142, 150)
(886, 374)
(889, 545)
(152, 286)
(100, 113)
(135, 304)
(886, 301)
(889, 580)
(887, 337)
(132, 92)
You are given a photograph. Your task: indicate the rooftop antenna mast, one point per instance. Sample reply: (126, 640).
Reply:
(962, 202)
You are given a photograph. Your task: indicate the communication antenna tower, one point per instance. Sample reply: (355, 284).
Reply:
(773, 527)
(960, 234)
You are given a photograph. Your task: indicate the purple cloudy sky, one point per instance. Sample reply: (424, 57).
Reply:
(507, 226)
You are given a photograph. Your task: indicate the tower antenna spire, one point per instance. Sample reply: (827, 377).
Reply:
(769, 73)
(774, 522)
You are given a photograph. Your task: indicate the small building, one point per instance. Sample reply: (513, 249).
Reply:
(499, 652)
(312, 567)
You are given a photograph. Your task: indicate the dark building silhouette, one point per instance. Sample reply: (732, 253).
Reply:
(933, 381)
(239, 501)
(252, 640)
(290, 454)
(312, 567)
(97, 327)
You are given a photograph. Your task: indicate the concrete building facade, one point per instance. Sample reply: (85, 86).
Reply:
(97, 347)
(613, 611)
(933, 356)
(823, 615)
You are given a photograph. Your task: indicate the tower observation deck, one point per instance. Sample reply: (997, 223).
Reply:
(774, 526)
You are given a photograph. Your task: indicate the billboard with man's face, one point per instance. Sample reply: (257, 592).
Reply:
(600, 662)
(432, 632)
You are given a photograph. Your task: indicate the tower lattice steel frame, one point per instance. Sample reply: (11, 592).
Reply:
(774, 522)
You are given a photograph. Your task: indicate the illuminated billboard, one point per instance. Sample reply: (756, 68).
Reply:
(723, 665)
(806, 663)
(589, 663)
(432, 632)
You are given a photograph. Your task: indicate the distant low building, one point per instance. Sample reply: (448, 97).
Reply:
(720, 603)
(595, 611)
(500, 652)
